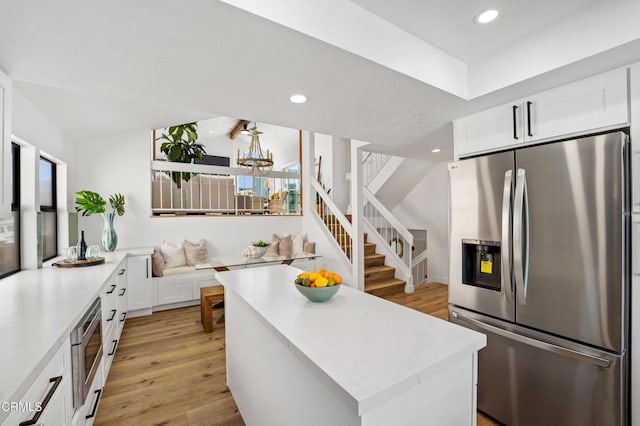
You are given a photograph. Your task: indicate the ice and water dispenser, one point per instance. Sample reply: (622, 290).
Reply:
(481, 265)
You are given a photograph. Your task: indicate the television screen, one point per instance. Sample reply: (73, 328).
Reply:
(214, 160)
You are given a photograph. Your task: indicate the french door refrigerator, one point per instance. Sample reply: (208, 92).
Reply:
(539, 262)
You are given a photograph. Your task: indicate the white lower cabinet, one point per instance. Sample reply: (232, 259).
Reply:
(174, 290)
(109, 346)
(139, 287)
(49, 399)
(85, 415)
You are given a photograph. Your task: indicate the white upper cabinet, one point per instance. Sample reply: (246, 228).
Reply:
(489, 130)
(5, 145)
(595, 103)
(587, 105)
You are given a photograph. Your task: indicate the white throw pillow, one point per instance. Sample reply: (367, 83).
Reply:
(298, 244)
(195, 253)
(173, 254)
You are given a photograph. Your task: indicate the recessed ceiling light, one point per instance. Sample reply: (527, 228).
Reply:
(298, 99)
(486, 16)
(435, 150)
(210, 131)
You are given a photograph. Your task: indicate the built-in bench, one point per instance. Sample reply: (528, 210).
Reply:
(180, 286)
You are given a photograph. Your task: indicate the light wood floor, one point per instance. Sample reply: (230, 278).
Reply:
(167, 371)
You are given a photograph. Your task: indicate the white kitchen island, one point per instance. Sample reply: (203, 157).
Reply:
(355, 360)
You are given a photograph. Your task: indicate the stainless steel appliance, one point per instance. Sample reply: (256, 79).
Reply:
(539, 262)
(86, 352)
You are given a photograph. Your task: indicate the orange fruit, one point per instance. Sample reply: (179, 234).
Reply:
(329, 275)
(338, 278)
(304, 275)
(313, 285)
(322, 282)
(314, 276)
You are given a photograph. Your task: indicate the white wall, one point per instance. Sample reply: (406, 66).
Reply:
(33, 126)
(426, 207)
(214, 135)
(44, 137)
(122, 164)
(336, 164)
(341, 166)
(323, 147)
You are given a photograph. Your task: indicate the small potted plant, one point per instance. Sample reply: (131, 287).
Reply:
(180, 145)
(261, 247)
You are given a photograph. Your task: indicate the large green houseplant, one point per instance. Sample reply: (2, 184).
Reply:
(180, 145)
(89, 203)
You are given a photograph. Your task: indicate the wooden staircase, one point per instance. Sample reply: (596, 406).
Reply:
(379, 279)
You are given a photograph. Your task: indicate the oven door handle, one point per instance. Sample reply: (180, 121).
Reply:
(92, 326)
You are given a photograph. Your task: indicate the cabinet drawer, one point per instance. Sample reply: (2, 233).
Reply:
(108, 303)
(122, 298)
(110, 344)
(55, 380)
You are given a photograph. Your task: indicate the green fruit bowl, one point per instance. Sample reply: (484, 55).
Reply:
(318, 294)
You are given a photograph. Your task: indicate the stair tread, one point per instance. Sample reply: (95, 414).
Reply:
(378, 268)
(384, 284)
(374, 256)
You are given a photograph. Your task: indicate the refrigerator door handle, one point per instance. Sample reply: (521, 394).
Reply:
(507, 288)
(550, 347)
(521, 237)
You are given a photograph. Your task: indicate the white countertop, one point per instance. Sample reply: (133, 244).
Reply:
(38, 309)
(372, 348)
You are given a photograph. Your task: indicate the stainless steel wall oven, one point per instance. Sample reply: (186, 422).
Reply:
(86, 352)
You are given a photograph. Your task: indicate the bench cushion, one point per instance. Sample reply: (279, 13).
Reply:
(178, 270)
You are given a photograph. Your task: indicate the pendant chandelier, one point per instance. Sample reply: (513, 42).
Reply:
(255, 159)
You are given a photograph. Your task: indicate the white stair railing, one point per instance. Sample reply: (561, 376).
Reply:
(333, 220)
(372, 163)
(398, 241)
(419, 268)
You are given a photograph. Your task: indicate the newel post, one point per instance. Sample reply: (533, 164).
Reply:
(356, 211)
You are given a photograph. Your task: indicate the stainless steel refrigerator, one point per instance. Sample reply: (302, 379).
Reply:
(539, 262)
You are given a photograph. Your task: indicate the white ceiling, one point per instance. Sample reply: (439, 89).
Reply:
(448, 24)
(104, 68)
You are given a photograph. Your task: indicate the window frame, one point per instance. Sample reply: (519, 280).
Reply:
(54, 207)
(15, 206)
